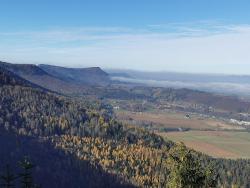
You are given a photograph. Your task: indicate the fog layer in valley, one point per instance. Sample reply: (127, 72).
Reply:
(225, 84)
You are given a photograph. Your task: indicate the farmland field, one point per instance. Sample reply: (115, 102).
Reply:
(214, 137)
(224, 144)
(176, 120)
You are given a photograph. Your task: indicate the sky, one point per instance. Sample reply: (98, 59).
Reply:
(197, 36)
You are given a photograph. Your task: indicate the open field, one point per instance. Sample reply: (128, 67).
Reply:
(214, 137)
(224, 144)
(177, 120)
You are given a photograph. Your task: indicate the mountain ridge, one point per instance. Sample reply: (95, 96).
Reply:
(59, 82)
(90, 75)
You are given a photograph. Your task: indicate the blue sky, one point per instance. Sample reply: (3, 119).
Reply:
(172, 35)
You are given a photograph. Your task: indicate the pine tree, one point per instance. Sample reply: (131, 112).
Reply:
(26, 175)
(7, 178)
(187, 171)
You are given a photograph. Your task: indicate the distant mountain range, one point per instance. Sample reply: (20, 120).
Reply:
(60, 79)
(97, 83)
(90, 76)
(79, 81)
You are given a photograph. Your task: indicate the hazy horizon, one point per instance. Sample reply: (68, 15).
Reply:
(120, 70)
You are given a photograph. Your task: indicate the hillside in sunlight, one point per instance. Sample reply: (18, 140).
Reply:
(86, 140)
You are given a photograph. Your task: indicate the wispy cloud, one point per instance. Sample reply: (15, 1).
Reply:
(81, 34)
(192, 47)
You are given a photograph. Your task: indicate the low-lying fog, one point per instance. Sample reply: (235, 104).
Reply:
(225, 84)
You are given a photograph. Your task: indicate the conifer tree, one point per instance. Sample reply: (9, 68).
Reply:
(26, 175)
(8, 178)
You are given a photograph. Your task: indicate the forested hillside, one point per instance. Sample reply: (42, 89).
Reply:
(9, 78)
(86, 141)
(60, 79)
(52, 167)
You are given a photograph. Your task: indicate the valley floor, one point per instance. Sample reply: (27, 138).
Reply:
(211, 136)
(222, 144)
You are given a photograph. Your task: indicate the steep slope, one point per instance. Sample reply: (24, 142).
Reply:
(59, 76)
(53, 167)
(90, 76)
(9, 78)
(27, 117)
(31, 113)
(23, 69)
(40, 77)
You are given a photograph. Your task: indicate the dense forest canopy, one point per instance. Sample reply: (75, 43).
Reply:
(80, 134)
